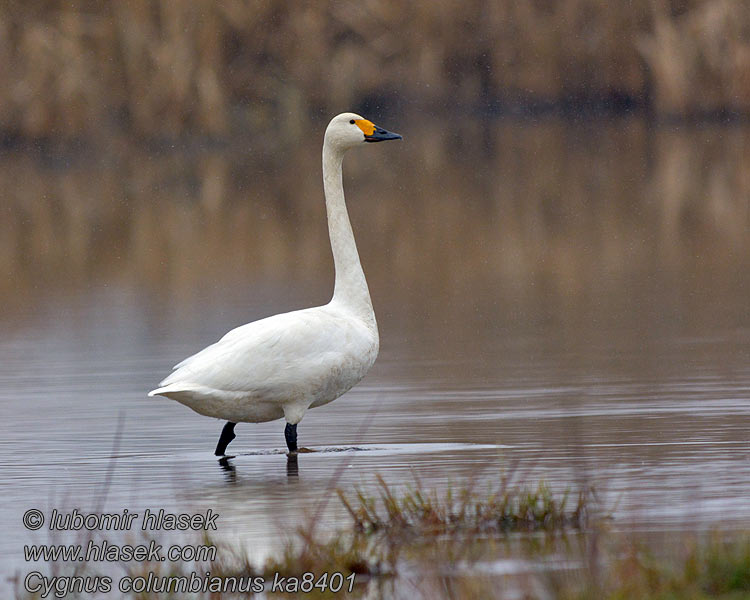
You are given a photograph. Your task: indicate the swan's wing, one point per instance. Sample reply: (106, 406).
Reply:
(273, 354)
(243, 331)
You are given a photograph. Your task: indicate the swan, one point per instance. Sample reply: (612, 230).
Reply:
(283, 365)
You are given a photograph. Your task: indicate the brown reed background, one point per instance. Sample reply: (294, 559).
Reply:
(161, 68)
(535, 210)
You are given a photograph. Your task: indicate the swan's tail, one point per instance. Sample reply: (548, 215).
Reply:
(172, 389)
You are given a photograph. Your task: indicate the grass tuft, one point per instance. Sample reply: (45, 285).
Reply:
(392, 524)
(428, 513)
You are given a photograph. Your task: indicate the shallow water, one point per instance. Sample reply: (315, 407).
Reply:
(567, 302)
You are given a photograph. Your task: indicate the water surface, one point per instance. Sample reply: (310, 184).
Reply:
(567, 301)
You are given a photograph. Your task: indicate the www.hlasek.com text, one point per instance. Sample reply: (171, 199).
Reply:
(105, 551)
(194, 583)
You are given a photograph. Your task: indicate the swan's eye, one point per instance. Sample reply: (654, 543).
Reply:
(352, 122)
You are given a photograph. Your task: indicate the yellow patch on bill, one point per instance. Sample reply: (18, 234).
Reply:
(366, 126)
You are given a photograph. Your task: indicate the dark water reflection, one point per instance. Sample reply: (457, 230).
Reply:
(571, 299)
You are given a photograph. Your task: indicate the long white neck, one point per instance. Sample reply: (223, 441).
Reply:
(350, 289)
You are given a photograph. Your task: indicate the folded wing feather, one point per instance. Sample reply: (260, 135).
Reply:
(273, 355)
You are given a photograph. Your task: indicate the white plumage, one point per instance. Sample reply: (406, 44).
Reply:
(276, 367)
(282, 365)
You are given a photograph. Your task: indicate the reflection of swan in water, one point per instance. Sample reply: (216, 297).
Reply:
(225, 462)
(292, 467)
(282, 365)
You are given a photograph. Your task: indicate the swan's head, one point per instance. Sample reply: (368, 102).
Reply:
(348, 130)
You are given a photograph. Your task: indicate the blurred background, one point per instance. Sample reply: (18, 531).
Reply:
(597, 138)
(157, 69)
(558, 251)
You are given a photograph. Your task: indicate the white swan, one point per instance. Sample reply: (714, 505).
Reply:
(282, 365)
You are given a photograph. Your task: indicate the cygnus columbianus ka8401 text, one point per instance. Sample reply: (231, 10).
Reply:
(282, 365)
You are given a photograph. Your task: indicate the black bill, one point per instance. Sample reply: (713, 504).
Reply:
(381, 135)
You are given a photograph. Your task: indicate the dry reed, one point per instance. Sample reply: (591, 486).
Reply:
(161, 68)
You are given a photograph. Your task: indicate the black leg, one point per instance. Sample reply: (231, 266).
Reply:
(290, 433)
(227, 435)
